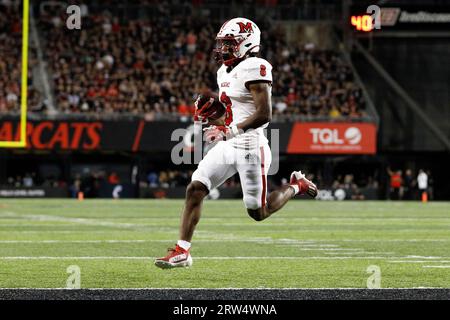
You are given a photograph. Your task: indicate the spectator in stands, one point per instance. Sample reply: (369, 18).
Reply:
(280, 107)
(356, 193)
(113, 178)
(408, 185)
(164, 179)
(75, 187)
(152, 179)
(28, 181)
(422, 183)
(185, 111)
(396, 183)
(430, 185)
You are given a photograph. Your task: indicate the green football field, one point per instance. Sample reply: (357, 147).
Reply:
(309, 244)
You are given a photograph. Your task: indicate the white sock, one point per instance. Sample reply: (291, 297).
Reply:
(184, 244)
(296, 188)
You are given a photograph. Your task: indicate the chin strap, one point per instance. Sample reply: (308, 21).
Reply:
(232, 61)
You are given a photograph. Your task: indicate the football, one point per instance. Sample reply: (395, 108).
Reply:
(214, 111)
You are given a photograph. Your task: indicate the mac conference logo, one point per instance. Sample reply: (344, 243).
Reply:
(352, 135)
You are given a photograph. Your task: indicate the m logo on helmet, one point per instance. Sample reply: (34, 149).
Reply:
(245, 28)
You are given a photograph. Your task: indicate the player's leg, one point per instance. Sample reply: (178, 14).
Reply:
(253, 175)
(179, 256)
(254, 186)
(212, 171)
(196, 191)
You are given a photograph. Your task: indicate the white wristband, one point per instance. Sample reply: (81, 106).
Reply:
(198, 126)
(234, 131)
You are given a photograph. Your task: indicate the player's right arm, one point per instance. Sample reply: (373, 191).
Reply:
(260, 91)
(258, 81)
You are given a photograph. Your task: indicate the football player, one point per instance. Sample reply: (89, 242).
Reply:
(244, 82)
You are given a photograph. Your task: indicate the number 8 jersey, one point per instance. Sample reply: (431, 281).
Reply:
(234, 93)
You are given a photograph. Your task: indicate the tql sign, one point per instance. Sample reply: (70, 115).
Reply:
(340, 138)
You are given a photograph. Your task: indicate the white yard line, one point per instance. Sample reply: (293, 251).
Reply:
(226, 288)
(198, 258)
(65, 231)
(440, 267)
(132, 241)
(81, 241)
(329, 249)
(387, 254)
(388, 240)
(305, 243)
(423, 257)
(420, 261)
(84, 221)
(96, 222)
(302, 245)
(306, 246)
(263, 241)
(6, 214)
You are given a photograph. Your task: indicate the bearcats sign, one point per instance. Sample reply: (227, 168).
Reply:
(142, 136)
(78, 135)
(55, 134)
(323, 137)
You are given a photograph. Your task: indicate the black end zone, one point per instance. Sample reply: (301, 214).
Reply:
(225, 294)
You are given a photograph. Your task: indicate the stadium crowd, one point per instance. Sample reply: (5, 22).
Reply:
(408, 185)
(141, 66)
(10, 65)
(155, 67)
(400, 185)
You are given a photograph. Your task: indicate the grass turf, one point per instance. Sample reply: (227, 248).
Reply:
(309, 244)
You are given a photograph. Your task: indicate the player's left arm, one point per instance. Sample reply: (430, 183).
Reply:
(260, 91)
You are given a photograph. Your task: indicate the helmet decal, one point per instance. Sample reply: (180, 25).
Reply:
(245, 28)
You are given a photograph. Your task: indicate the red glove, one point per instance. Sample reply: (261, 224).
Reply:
(218, 133)
(201, 112)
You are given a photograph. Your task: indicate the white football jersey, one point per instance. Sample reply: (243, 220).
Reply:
(238, 99)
